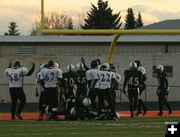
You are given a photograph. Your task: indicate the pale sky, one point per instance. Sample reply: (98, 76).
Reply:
(25, 11)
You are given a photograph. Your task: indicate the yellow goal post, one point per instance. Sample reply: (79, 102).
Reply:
(117, 33)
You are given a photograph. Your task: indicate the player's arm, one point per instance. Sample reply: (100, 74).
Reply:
(125, 82)
(166, 84)
(36, 87)
(30, 72)
(83, 62)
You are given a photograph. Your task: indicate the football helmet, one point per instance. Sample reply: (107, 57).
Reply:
(133, 65)
(160, 67)
(114, 69)
(80, 66)
(56, 65)
(70, 67)
(50, 63)
(138, 62)
(41, 66)
(17, 64)
(105, 66)
(98, 61)
(94, 64)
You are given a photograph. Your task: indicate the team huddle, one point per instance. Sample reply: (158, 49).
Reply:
(82, 92)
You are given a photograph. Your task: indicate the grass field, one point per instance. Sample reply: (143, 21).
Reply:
(128, 127)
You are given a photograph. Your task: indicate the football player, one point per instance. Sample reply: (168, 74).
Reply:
(117, 83)
(133, 79)
(50, 78)
(81, 80)
(69, 81)
(16, 76)
(106, 82)
(42, 97)
(81, 91)
(92, 76)
(163, 90)
(141, 88)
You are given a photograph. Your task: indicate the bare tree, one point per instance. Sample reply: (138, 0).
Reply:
(52, 20)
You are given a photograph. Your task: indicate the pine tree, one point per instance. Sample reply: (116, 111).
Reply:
(130, 22)
(101, 17)
(13, 29)
(139, 21)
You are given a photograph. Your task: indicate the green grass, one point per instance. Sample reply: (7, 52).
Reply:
(138, 127)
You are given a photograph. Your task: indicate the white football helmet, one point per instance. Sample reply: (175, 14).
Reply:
(41, 66)
(80, 66)
(70, 67)
(160, 67)
(105, 66)
(56, 65)
(133, 65)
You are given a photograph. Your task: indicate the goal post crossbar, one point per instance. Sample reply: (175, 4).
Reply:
(117, 33)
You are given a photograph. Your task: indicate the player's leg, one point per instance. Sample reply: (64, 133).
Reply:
(14, 99)
(54, 103)
(130, 96)
(100, 102)
(22, 99)
(167, 105)
(135, 99)
(160, 102)
(42, 105)
(111, 102)
(92, 95)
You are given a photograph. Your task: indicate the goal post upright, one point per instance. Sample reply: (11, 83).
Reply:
(117, 33)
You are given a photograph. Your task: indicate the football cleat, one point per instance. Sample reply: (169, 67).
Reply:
(19, 116)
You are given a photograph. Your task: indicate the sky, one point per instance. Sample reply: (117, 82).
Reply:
(24, 12)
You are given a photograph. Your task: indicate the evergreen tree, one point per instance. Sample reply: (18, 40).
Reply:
(13, 29)
(101, 17)
(130, 22)
(139, 21)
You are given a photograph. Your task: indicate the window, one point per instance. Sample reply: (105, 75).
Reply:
(27, 50)
(167, 69)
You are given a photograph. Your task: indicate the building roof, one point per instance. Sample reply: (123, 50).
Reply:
(166, 24)
(93, 39)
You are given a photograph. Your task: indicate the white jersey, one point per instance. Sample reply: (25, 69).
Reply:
(91, 75)
(38, 84)
(50, 77)
(106, 79)
(15, 76)
(118, 78)
(142, 69)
